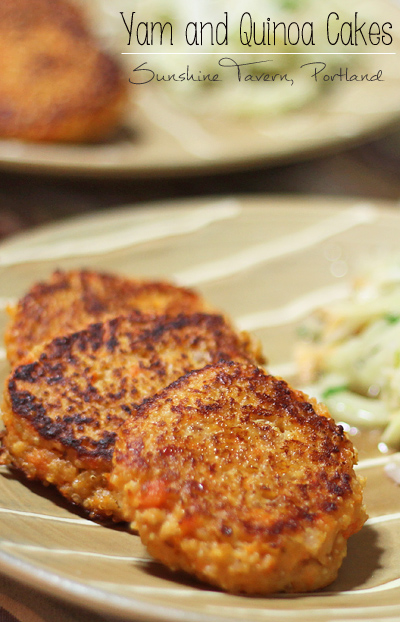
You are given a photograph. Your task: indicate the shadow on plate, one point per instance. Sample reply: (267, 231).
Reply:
(122, 134)
(362, 561)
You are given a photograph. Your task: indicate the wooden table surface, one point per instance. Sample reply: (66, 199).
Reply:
(370, 170)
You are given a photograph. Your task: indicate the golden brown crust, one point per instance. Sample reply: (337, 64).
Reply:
(70, 301)
(56, 84)
(62, 410)
(231, 475)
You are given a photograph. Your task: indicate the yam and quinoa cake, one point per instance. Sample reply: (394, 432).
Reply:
(69, 301)
(234, 477)
(56, 81)
(63, 406)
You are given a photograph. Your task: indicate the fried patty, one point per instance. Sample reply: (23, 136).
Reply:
(70, 301)
(56, 83)
(232, 476)
(62, 410)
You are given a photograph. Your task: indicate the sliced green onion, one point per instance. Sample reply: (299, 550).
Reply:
(333, 391)
(392, 318)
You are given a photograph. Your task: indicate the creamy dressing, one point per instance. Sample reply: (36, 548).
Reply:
(7, 302)
(30, 548)
(246, 258)
(283, 370)
(378, 461)
(295, 309)
(384, 587)
(61, 519)
(130, 235)
(177, 124)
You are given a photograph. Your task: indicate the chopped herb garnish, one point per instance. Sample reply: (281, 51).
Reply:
(392, 318)
(306, 333)
(333, 390)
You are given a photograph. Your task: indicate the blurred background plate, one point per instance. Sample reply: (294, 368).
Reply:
(266, 261)
(161, 139)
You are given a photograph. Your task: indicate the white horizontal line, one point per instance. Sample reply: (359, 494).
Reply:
(261, 53)
(130, 234)
(385, 518)
(283, 370)
(151, 589)
(83, 553)
(294, 242)
(62, 519)
(7, 302)
(295, 309)
(378, 461)
(384, 587)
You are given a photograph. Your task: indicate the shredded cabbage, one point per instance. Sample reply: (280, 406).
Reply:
(350, 353)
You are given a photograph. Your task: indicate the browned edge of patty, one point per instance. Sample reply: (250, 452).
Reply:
(186, 489)
(70, 300)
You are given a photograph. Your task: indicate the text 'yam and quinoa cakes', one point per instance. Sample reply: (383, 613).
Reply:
(140, 403)
(56, 81)
(232, 476)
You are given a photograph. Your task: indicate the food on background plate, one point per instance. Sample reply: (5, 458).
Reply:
(56, 81)
(348, 353)
(63, 406)
(251, 82)
(234, 477)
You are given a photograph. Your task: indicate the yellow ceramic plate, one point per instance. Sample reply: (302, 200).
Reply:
(267, 261)
(162, 140)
